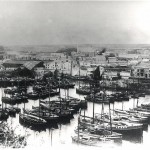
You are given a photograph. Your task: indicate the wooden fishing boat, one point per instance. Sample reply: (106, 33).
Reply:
(99, 98)
(33, 95)
(64, 114)
(119, 126)
(65, 84)
(90, 140)
(84, 140)
(48, 116)
(15, 90)
(101, 132)
(139, 108)
(142, 113)
(83, 91)
(12, 110)
(3, 114)
(82, 103)
(9, 100)
(64, 104)
(132, 117)
(120, 96)
(86, 124)
(146, 106)
(20, 97)
(31, 120)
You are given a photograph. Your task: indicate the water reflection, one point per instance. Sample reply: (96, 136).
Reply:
(134, 138)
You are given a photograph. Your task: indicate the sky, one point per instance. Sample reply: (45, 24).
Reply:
(46, 23)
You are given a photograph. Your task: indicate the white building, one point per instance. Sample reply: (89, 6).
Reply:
(60, 65)
(142, 70)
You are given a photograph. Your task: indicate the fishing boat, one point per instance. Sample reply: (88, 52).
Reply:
(31, 120)
(64, 114)
(15, 90)
(90, 140)
(86, 126)
(132, 117)
(139, 108)
(12, 110)
(119, 123)
(3, 114)
(65, 84)
(146, 106)
(8, 100)
(64, 104)
(120, 96)
(142, 113)
(98, 98)
(44, 114)
(84, 90)
(33, 95)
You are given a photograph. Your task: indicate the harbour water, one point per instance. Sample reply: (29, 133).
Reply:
(60, 137)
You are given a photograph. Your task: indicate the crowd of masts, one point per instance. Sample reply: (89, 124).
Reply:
(106, 126)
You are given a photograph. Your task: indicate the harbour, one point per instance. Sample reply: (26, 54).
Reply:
(60, 134)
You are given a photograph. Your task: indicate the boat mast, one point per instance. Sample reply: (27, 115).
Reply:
(59, 93)
(2, 101)
(79, 123)
(102, 111)
(71, 69)
(39, 105)
(93, 101)
(49, 94)
(110, 118)
(137, 95)
(79, 75)
(79, 68)
(78, 126)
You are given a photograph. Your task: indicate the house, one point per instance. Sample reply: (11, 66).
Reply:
(37, 66)
(142, 70)
(129, 56)
(60, 65)
(11, 65)
(112, 61)
(28, 57)
(100, 59)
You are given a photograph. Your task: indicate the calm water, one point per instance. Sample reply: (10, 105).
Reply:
(60, 138)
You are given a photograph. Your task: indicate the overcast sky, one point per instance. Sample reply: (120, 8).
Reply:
(39, 23)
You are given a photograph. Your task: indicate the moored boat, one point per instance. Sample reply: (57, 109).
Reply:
(31, 120)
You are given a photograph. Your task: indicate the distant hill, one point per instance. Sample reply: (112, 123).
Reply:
(37, 48)
(70, 48)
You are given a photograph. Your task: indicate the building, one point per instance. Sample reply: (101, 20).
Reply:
(101, 60)
(112, 61)
(142, 70)
(60, 65)
(2, 53)
(36, 66)
(11, 65)
(129, 56)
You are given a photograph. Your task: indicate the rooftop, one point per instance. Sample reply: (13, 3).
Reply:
(143, 65)
(31, 64)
